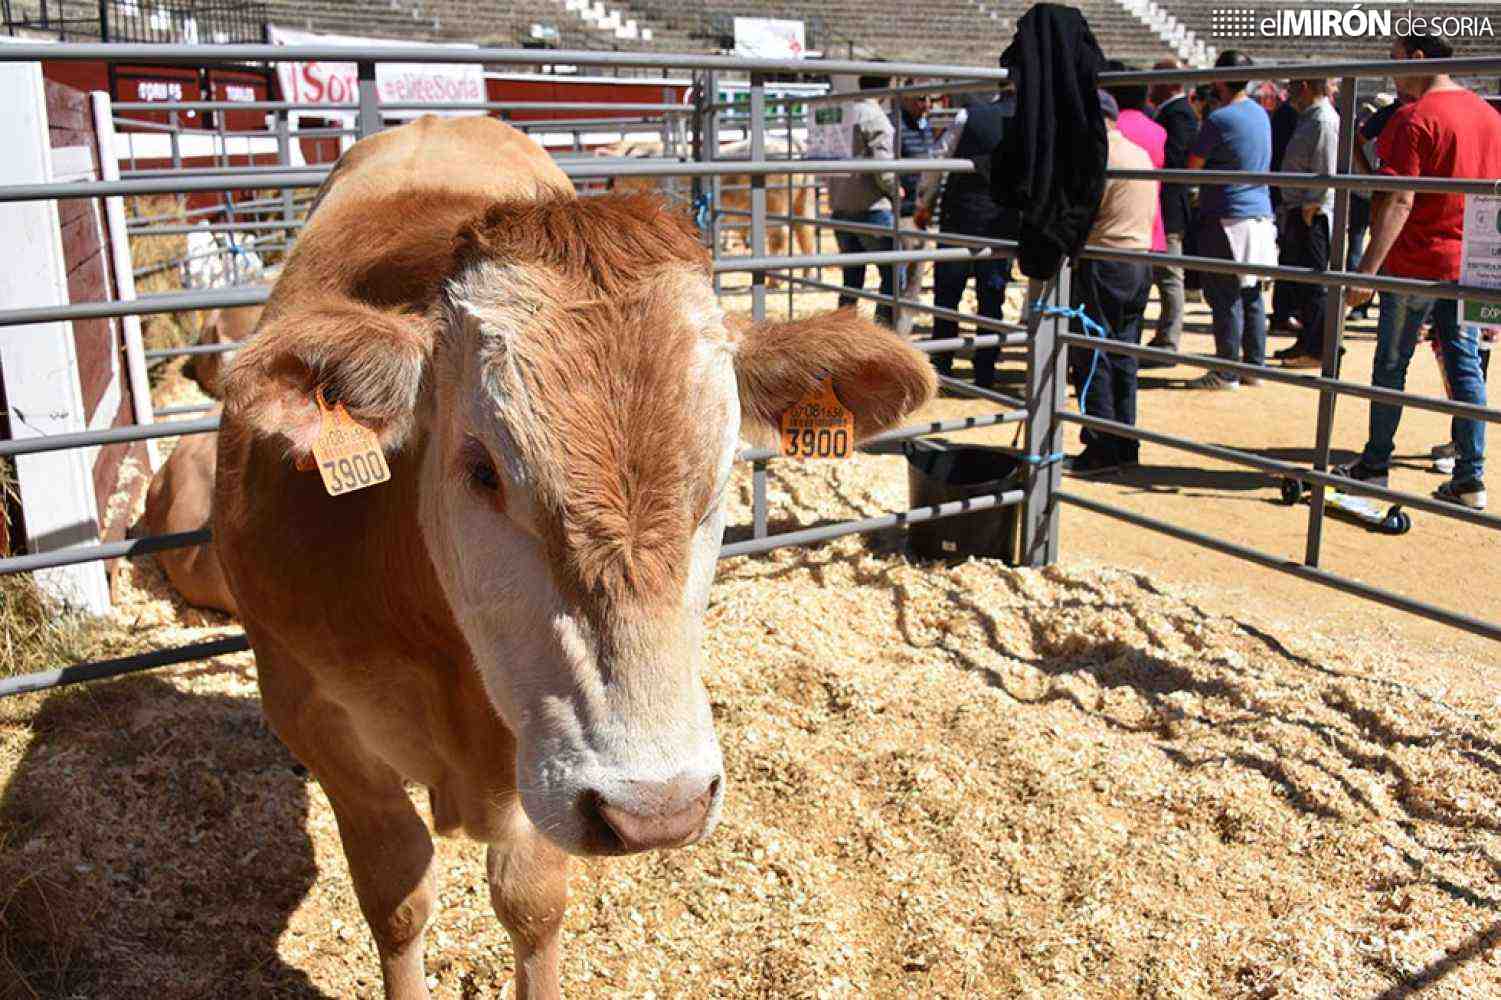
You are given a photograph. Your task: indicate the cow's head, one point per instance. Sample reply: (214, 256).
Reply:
(578, 399)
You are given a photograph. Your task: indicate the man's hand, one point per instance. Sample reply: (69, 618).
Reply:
(1310, 212)
(922, 217)
(1357, 297)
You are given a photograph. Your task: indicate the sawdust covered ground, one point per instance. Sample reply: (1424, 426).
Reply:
(955, 781)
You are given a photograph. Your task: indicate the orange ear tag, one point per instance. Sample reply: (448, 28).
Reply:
(348, 453)
(818, 425)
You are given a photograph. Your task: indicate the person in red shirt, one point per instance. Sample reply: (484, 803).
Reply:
(1443, 131)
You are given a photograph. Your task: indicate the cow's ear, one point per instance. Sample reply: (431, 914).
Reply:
(875, 373)
(371, 360)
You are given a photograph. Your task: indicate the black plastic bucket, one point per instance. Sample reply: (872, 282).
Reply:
(939, 471)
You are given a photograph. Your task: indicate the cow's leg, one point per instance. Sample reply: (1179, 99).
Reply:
(389, 850)
(390, 859)
(529, 890)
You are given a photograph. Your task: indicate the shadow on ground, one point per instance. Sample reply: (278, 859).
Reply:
(152, 845)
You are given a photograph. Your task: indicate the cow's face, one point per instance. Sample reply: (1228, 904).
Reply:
(580, 405)
(573, 506)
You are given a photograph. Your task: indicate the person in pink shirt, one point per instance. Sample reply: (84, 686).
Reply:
(1135, 124)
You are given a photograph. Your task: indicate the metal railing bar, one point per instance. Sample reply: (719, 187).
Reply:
(745, 262)
(239, 206)
(145, 305)
(735, 111)
(1018, 333)
(215, 179)
(161, 185)
(1287, 470)
(251, 173)
(907, 433)
(104, 550)
(824, 533)
(1377, 594)
(979, 392)
(1299, 70)
(114, 435)
(937, 236)
(587, 124)
(216, 227)
(1374, 393)
(157, 353)
(228, 106)
(177, 411)
(660, 107)
(101, 669)
(1347, 182)
(1308, 276)
(193, 54)
(627, 167)
(302, 133)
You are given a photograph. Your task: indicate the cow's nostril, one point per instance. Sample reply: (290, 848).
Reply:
(652, 815)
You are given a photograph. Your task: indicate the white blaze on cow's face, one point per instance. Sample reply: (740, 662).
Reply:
(572, 504)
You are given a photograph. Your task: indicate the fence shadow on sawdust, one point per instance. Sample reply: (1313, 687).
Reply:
(1353, 734)
(152, 843)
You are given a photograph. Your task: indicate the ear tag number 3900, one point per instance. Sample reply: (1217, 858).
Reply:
(348, 453)
(818, 425)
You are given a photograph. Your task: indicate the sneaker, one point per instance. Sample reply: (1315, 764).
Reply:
(1214, 380)
(1443, 456)
(1087, 464)
(1303, 361)
(1467, 493)
(1360, 472)
(1291, 351)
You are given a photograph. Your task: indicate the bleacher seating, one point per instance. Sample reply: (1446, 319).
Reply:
(947, 31)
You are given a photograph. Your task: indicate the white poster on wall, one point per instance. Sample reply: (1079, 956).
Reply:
(769, 38)
(831, 124)
(397, 83)
(1480, 263)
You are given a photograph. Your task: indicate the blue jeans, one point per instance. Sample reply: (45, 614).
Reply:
(854, 274)
(1396, 339)
(1239, 313)
(949, 279)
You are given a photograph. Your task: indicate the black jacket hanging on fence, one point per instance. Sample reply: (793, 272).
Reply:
(1051, 165)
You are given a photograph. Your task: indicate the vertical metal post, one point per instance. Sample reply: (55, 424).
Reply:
(1047, 371)
(791, 207)
(669, 136)
(711, 153)
(284, 158)
(368, 120)
(175, 124)
(1334, 318)
(758, 278)
(898, 271)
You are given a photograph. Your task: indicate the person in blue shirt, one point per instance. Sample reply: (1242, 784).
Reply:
(1235, 222)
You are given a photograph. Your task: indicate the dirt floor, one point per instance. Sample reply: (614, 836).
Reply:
(1150, 771)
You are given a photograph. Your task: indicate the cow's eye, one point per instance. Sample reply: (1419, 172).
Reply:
(483, 475)
(479, 467)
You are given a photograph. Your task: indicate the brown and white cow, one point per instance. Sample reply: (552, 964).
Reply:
(230, 325)
(514, 620)
(180, 499)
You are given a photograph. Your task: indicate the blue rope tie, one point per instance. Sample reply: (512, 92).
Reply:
(1042, 461)
(701, 211)
(1091, 329)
